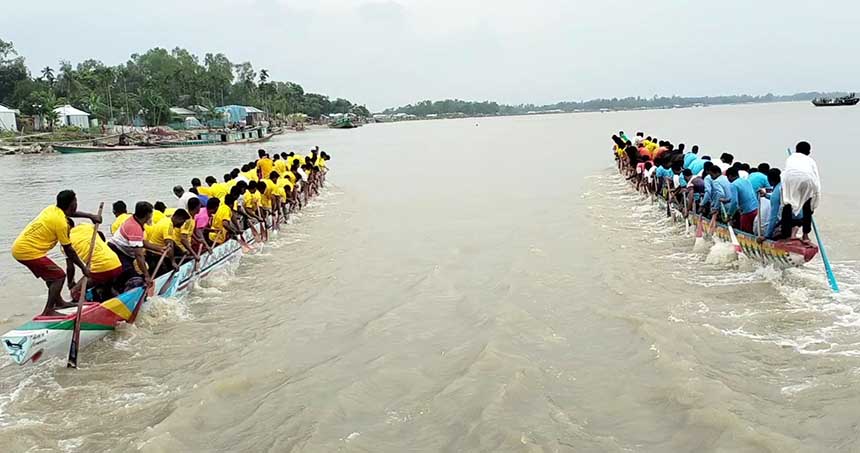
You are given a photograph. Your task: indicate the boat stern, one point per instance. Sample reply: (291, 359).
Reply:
(25, 345)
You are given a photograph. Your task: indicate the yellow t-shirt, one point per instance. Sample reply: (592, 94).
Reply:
(184, 232)
(280, 192)
(296, 157)
(291, 176)
(169, 212)
(205, 191)
(266, 201)
(219, 190)
(220, 234)
(104, 259)
(250, 201)
(42, 234)
(251, 175)
(159, 233)
(258, 199)
(265, 165)
(118, 222)
(157, 216)
(281, 166)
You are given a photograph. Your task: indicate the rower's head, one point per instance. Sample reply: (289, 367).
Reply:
(227, 177)
(648, 165)
(681, 147)
(261, 153)
(193, 206)
(620, 133)
(803, 148)
(291, 154)
(676, 168)
(242, 185)
(326, 156)
(245, 168)
(276, 157)
(178, 191)
(687, 174)
(284, 155)
(695, 149)
(212, 205)
(764, 167)
(234, 173)
(252, 186)
(666, 164)
(159, 206)
(195, 182)
(274, 176)
(67, 201)
(235, 191)
(774, 177)
(708, 158)
(143, 212)
(230, 199)
(640, 134)
(727, 158)
(746, 167)
(119, 208)
(715, 171)
(706, 170)
(648, 138)
(211, 180)
(180, 216)
(732, 173)
(296, 165)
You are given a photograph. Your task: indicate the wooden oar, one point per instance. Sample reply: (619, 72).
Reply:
(169, 281)
(76, 332)
(831, 277)
(668, 206)
(147, 289)
(734, 238)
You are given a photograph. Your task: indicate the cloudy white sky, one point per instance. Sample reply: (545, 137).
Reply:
(391, 52)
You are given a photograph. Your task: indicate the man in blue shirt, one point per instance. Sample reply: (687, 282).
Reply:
(663, 171)
(758, 179)
(722, 195)
(709, 188)
(775, 218)
(697, 166)
(746, 198)
(691, 156)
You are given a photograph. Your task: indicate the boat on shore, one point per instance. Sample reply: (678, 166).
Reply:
(77, 149)
(342, 123)
(208, 138)
(49, 336)
(851, 99)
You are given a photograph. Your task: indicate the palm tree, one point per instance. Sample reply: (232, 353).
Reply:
(48, 74)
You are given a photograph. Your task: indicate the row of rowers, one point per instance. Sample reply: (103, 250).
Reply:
(269, 187)
(739, 192)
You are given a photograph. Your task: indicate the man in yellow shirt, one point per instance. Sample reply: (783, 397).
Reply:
(40, 236)
(120, 211)
(280, 165)
(105, 266)
(162, 235)
(216, 189)
(264, 164)
(222, 221)
(250, 172)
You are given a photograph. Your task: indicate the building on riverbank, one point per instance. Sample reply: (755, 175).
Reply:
(66, 116)
(7, 119)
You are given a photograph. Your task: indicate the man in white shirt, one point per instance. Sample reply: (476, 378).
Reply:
(801, 189)
(182, 202)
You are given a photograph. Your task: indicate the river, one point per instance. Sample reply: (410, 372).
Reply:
(462, 285)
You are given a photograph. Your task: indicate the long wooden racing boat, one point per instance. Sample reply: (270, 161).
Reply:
(77, 149)
(780, 254)
(47, 336)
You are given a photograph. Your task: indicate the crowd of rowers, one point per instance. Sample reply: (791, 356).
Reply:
(762, 200)
(154, 239)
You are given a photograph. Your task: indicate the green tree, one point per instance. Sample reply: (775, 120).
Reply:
(12, 71)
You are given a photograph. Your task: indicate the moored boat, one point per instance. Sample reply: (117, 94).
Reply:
(77, 149)
(47, 336)
(342, 123)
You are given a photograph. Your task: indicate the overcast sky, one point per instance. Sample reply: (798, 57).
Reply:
(387, 53)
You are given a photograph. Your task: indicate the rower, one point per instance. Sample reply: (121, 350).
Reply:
(264, 164)
(691, 156)
(280, 165)
(120, 212)
(42, 234)
(129, 245)
(746, 199)
(758, 178)
(722, 196)
(801, 189)
(222, 221)
(162, 235)
(698, 166)
(779, 228)
(200, 215)
(105, 266)
(182, 197)
(725, 162)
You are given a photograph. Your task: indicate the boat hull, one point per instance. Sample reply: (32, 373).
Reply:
(44, 337)
(780, 254)
(72, 149)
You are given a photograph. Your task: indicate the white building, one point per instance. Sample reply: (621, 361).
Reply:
(7, 119)
(66, 116)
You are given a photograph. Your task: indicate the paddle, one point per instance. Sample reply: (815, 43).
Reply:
(147, 290)
(668, 195)
(734, 238)
(76, 332)
(169, 281)
(831, 277)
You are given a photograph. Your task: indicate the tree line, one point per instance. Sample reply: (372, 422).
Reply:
(471, 108)
(148, 84)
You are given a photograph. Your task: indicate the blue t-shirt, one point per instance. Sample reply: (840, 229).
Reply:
(745, 195)
(722, 188)
(697, 166)
(663, 173)
(758, 181)
(688, 159)
(709, 189)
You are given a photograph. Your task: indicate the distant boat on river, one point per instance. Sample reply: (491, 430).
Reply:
(851, 99)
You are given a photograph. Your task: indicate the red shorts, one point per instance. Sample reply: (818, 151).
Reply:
(44, 268)
(99, 278)
(748, 221)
